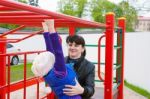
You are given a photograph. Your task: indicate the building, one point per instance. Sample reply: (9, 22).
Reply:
(143, 24)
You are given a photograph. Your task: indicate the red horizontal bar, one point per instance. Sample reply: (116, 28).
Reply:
(21, 53)
(22, 6)
(11, 31)
(64, 24)
(18, 13)
(3, 8)
(25, 17)
(20, 84)
(23, 33)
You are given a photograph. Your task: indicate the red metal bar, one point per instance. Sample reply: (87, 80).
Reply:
(21, 6)
(2, 68)
(37, 89)
(20, 85)
(3, 8)
(21, 53)
(38, 32)
(99, 58)
(72, 30)
(51, 96)
(21, 39)
(8, 78)
(121, 23)
(11, 31)
(108, 94)
(25, 73)
(18, 13)
(25, 17)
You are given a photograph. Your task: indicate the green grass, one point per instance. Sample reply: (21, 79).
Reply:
(16, 72)
(137, 89)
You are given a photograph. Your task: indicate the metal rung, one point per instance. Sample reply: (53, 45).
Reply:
(117, 47)
(102, 63)
(92, 45)
(116, 67)
(116, 86)
(97, 63)
(98, 81)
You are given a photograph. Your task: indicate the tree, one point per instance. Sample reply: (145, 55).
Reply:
(130, 14)
(23, 1)
(100, 7)
(72, 7)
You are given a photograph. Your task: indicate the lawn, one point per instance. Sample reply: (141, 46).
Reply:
(137, 89)
(16, 72)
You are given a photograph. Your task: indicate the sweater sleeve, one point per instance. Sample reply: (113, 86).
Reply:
(59, 65)
(48, 42)
(53, 45)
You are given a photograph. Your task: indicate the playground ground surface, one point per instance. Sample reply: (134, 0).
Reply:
(31, 93)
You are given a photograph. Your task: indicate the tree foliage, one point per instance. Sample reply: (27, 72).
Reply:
(72, 7)
(23, 1)
(98, 9)
(130, 14)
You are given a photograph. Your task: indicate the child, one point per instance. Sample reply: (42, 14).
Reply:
(51, 65)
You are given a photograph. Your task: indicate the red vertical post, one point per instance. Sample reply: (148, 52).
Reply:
(108, 91)
(2, 67)
(72, 30)
(121, 24)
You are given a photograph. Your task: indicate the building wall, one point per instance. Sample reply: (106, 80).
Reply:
(143, 24)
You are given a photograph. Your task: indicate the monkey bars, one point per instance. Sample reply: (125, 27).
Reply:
(24, 15)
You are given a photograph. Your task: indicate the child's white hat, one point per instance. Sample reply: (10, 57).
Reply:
(43, 63)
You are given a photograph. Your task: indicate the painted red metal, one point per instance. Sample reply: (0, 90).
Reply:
(99, 58)
(108, 84)
(2, 68)
(53, 15)
(72, 30)
(121, 23)
(20, 39)
(11, 31)
(25, 15)
(8, 76)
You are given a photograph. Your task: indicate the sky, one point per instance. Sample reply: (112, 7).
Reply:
(52, 5)
(48, 4)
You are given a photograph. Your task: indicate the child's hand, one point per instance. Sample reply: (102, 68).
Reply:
(50, 25)
(45, 27)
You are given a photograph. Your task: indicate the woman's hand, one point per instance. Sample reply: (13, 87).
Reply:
(73, 90)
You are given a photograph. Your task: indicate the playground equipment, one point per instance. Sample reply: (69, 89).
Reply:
(12, 12)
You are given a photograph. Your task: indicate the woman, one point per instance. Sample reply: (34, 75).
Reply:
(84, 69)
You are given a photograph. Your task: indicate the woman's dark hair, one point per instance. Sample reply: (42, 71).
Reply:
(79, 40)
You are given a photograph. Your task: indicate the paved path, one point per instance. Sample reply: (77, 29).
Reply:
(99, 94)
(128, 94)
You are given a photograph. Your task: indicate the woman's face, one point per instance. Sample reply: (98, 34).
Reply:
(75, 50)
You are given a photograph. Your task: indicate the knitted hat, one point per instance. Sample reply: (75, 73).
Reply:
(43, 63)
